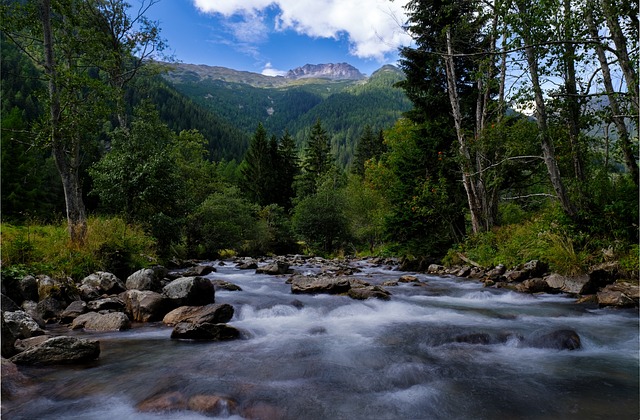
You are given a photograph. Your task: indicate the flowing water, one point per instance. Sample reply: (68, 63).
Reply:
(331, 357)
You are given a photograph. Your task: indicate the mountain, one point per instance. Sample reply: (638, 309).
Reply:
(338, 94)
(341, 71)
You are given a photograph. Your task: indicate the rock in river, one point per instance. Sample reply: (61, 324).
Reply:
(213, 313)
(59, 350)
(204, 331)
(311, 284)
(190, 291)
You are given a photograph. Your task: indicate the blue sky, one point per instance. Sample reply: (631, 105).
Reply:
(273, 36)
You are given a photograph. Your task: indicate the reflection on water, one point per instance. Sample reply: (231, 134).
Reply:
(447, 350)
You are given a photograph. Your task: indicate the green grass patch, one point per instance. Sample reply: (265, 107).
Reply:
(111, 245)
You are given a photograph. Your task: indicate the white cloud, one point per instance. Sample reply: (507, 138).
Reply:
(270, 71)
(373, 27)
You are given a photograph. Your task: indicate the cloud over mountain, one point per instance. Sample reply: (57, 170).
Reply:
(372, 27)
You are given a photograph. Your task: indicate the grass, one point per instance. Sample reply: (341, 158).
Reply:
(111, 245)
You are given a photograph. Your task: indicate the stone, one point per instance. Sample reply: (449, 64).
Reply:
(435, 269)
(463, 272)
(225, 285)
(27, 343)
(104, 283)
(497, 272)
(49, 309)
(147, 279)
(367, 292)
(170, 401)
(408, 279)
(536, 268)
(30, 307)
(247, 265)
(7, 304)
(48, 287)
(94, 321)
(620, 294)
(145, 305)
(535, 285)
(516, 276)
(7, 343)
(212, 313)
(574, 285)
(558, 339)
(203, 270)
(21, 324)
(212, 405)
(390, 283)
(106, 304)
(29, 288)
(75, 308)
(312, 285)
(603, 275)
(59, 350)
(274, 269)
(204, 331)
(190, 291)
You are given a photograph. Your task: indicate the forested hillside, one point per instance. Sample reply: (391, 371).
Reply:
(428, 161)
(344, 106)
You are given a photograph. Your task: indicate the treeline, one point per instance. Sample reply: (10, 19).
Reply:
(459, 176)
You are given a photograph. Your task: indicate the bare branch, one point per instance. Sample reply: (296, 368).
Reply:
(505, 160)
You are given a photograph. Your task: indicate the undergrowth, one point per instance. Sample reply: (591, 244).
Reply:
(111, 245)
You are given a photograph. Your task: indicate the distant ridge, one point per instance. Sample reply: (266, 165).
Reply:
(340, 71)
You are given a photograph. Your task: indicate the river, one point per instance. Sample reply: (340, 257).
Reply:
(331, 357)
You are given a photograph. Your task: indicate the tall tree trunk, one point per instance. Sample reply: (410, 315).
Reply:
(571, 100)
(66, 155)
(610, 10)
(548, 152)
(623, 134)
(472, 197)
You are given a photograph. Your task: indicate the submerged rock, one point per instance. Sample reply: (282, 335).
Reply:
(170, 401)
(558, 339)
(367, 292)
(225, 285)
(59, 350)
(204, 331)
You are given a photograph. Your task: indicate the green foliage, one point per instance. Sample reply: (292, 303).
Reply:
(316, 161)
(365, 209)
(319, 219)
(225, 220)
(111, 245)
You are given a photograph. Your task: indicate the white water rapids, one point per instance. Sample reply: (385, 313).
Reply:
(331, 357)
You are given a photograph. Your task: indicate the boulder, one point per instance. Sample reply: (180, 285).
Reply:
(59, 350)
(463, 272)
(7, 343)
(7, 304)
(106, 304)
(49, 309)
(94, 321)
(75, 308)
(225, 285)
(558, 339)
(170, 401)
(435, 269)
(190, 291)
(204, 331)
(620, 294)
(497, 272)
(21, 324)
(408, 279)
(212, 405)
(103, 283)
(247, 265)
(516, 275)
(275, 268)
(147, 279)
(28, 286)
(31, 308)
(536, 268)
(535, 285)
(199, 270)
(312, 285)
(366, 292)
(574, 285)
(14, 384)
(212, 313)
(603, 275)
(390, 283)
(27, 343)
(145, 305)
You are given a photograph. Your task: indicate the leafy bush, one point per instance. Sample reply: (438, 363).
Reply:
(111, 245)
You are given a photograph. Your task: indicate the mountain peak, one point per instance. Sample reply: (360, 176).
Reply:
(340, 71)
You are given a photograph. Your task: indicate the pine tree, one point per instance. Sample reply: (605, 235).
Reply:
(288, 167)
(316, 161)
(257, 168)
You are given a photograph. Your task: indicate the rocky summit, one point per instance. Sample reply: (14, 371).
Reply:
(340, 71)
